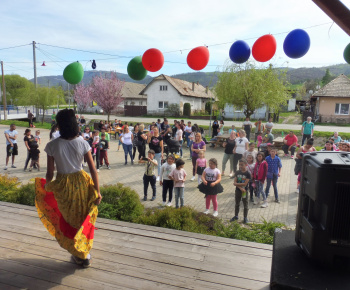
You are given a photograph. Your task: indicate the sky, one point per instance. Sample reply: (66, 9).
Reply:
(115, 31)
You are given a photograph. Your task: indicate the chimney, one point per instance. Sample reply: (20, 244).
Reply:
(192, 86)
(206, 89)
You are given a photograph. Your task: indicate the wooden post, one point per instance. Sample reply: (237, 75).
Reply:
(3, 90)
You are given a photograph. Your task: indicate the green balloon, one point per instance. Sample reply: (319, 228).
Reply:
(73, 73)
(136, 70)
(347, 53)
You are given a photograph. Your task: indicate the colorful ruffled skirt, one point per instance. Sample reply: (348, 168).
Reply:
(66, 208)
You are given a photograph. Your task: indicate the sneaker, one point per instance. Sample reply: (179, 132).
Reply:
(13, 166)
(292, 156)
(234, 218)
(77, 260)
(164, 203)
(277, 201)
(264, 205)
(286, 155)
(97, 170)
(168, 204)
(153, 198)
(193, 178)
(206, 211)
(87, 262)
(144, 198)
(245, 220)
(231, 175)
(108, 167)
(5, 168)
(93, 154)
(215, 213)
(158, 178)
(256, 201)
(132, 162)
(126, 163)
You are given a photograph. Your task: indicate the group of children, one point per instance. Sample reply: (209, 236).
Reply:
(34, 152)
(249, 180)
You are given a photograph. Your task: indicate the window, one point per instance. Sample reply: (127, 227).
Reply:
(342, 109)
(140, 103)
(163, 88)
(163, 105)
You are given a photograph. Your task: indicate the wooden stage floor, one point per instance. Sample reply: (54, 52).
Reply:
(126, 256)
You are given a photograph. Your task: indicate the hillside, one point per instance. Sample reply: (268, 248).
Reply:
(296, 76)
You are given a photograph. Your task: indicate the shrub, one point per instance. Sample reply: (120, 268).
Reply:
(173, 110)
(187, 109)
(207, 107)
(120, 202)
(11, 191)
(26, 194)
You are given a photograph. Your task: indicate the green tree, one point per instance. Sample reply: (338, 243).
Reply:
(44, 97)
(17, 88)
(327, 77)
(249, 88)
(187, 109)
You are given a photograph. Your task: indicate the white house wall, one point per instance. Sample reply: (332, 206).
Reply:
(231, 112)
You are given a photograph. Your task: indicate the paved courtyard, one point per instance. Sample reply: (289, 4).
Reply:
(131, 175)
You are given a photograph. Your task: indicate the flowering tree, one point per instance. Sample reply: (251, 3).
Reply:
(83, 96)
(106, 92)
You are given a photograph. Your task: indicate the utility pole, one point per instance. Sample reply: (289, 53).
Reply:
(3, 90)
(35, 78)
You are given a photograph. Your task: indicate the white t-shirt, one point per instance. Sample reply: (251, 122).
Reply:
(165, 171)
(188, 129)
(11, 134)
(240, 144)
(68, 154)
(211, 174)
(178, 135)
(127, 138)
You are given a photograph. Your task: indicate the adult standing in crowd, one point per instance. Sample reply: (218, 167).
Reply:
(30, 119)
(197, 145)
(221, 127)
(179, 137)
(135, 140)
(126, 138)
(215, 128)
(259, 128)
(141, 141)
(191, 139)
(188, 131)
(290, 144)
(229, 146)
(166, 133)
(11, 145)
(307, 130)
(269, 125)
(72, 197)
(28, 142)
(247, 127)
(241, 145)
(155, 142)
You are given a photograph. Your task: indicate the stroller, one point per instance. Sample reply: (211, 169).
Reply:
(171, 146)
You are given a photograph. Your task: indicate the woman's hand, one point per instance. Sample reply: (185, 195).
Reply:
(98, 200)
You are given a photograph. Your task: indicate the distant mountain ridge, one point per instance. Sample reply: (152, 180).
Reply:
(295, 75)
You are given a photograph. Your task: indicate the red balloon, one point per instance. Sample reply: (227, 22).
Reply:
(264, 48)
(153, 60)
(198, 58)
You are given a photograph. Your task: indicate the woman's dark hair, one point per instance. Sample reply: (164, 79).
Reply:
(194, 129)
(26, 131)
(214, 161)
(53, 129)
(310, 142)
(179, 162)
(67, 124)
(262, 155)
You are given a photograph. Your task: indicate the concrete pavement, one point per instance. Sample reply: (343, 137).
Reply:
(132, 176)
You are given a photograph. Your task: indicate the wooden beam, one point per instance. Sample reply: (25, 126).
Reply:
(337, 11)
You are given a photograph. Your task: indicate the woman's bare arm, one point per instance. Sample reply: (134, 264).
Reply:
(94, 176)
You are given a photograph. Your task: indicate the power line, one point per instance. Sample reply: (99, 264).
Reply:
(15, 46)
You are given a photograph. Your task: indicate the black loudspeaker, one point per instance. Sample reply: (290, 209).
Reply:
(323, 219)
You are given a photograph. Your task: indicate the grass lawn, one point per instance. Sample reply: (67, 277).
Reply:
(25, 124)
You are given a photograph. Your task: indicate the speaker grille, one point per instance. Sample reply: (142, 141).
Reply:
(341, 219)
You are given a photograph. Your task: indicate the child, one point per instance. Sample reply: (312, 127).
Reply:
(259, 138)
(165, 181)
(201, 164)
(242, 177)
(95, 141)
(250, 151)
(260, 172)
(211, 186)
(34, 155)
(104, 146)
(273, 172)
(37, 137)
(250, 166)
(149, 176)
(178, 175)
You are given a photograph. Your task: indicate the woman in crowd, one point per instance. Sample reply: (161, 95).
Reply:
(142, 138)
(221, 126)
(126, 138)
(67, 206)
(155, 142)
(197, 146)
(28, 142)
(228, 154)
(241, 146)
(134, 142)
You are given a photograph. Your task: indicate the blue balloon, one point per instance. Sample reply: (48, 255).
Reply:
(239, 52)
(296, 44)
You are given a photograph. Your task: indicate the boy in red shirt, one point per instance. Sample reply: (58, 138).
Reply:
(290, 144)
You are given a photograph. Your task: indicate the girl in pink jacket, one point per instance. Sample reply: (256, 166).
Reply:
(260, 172)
